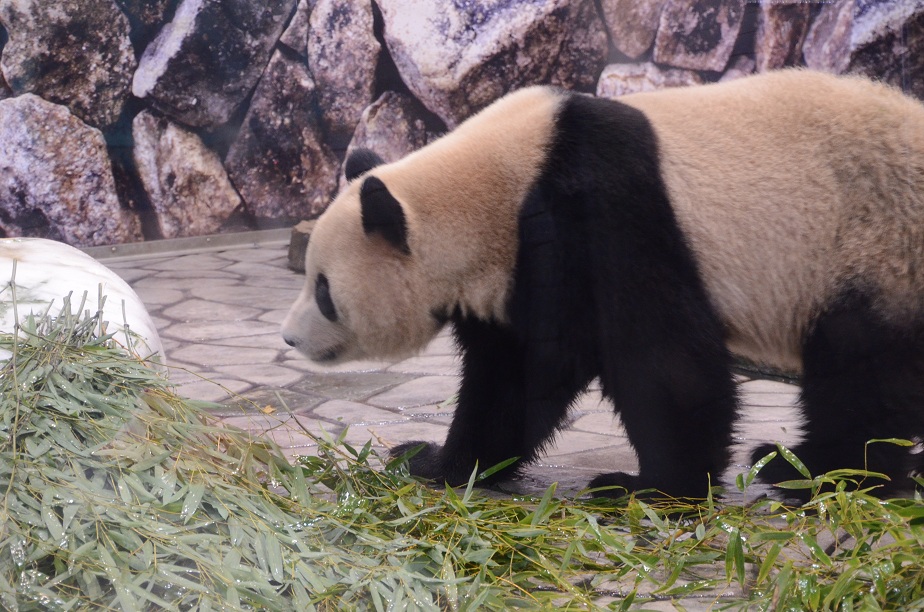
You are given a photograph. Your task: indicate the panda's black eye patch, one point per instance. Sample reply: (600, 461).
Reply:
(323, 299)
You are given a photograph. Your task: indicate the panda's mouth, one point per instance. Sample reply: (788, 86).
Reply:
(328, 355)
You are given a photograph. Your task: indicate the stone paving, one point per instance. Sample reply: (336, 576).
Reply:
(218, 313)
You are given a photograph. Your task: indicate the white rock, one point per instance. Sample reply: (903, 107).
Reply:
(167, 46)
(47, 271)
(842, 28)
(874, 19)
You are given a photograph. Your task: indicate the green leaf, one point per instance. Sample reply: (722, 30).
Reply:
(192, 500)
(497, 468)
(772, 536)
(820, 555)
(734, 557)
(542, 511)
(756, 468)
(795, 484)
(274, 558)
(794, 461)
(55, 530)
(136, 499)
(895, 441)
(767, 565)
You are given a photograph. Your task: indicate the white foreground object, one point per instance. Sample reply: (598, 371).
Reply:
(46, 272)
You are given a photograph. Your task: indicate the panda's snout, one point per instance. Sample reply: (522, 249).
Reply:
(288, 337)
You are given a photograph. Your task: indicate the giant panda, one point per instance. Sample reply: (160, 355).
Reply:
(645, 241)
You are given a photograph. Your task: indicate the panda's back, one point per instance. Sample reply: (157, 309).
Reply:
(789, 186)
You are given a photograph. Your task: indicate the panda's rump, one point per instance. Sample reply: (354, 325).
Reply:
(788, 189)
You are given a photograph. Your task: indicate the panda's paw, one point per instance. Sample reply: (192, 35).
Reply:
(424, 460)
(430, 461)
(614, 485)
(681, 488)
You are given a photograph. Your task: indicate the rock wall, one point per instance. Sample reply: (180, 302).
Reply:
(123, 120)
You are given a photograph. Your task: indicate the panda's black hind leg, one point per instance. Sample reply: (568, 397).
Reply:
(863, 379)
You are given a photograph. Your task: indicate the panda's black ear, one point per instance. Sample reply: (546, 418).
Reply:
(360, 161)
(382, 214)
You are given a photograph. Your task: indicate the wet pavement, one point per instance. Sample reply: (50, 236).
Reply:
(218, 312)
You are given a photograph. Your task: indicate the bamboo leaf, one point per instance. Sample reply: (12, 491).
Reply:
(117, 493)
(794, 461)
(192, 500)
(540, 514)
(817, 551)
(768, 563)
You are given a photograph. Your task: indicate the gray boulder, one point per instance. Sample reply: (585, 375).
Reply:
(828, 43)
(206, 61)
(781, 30)
(145, 16)
(71, 52)
(698, 34)
(56, 178)
(896, 56)
(295, 36)
(342, 55)
(5, 91)
(884, 40)
(621, 79)
(458, 57)
(392, 127)
(184, 181)
(279, 163)
(741, 67)
(632, 24)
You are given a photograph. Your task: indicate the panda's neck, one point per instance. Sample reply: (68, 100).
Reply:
(463, 195)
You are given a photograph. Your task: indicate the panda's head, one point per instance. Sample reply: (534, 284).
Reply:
(408, 244)
(365, 295)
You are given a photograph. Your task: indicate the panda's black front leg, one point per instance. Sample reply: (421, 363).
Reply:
(511, 401)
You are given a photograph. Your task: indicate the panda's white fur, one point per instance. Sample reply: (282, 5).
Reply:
(778, 218)
(462, 237)
(788, 209)
(788, 184)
